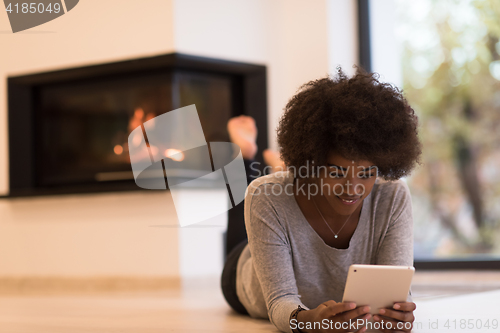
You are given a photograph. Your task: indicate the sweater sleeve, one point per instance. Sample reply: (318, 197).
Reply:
(396, 247)
(271, 254)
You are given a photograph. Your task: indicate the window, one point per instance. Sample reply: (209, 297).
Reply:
(446, 56)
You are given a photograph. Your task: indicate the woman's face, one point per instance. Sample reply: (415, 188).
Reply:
(345, 183)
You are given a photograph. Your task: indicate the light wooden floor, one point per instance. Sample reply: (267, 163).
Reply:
(200, 307)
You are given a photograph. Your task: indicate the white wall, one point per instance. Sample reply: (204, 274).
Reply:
(289, 36)
(99, 235)
(342, 35)
(87, 235)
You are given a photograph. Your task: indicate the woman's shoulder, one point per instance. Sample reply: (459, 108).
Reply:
(270, 193)
(267, 204)
(273, 184)
(397, 187)
(390, 195)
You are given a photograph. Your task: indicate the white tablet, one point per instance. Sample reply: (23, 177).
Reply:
(378, 286)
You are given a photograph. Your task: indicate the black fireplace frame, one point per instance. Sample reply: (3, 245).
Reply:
(250, 81)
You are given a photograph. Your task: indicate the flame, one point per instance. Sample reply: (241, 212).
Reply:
(118, 150)
(174, 154)
(138, 113)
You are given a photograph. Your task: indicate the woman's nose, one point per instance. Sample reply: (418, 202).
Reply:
(353, 186)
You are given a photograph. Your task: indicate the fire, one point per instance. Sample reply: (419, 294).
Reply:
(118, 150)
(174, 154)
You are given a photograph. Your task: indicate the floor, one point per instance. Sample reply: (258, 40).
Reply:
(199, 307)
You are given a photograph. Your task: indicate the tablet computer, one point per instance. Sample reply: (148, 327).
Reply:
(378, 286)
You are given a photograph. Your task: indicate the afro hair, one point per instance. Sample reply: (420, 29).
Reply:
(358, 118)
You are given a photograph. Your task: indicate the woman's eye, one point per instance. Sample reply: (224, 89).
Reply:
(335, 175)
(367, 175)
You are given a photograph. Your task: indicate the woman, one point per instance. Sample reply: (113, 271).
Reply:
(243, 132)
(346, 143)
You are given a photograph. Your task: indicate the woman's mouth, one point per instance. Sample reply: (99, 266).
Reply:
(349, 201)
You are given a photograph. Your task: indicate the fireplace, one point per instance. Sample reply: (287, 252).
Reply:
(68, 129)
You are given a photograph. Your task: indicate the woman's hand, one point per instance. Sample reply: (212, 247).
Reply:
(339, 315)
(400, 317)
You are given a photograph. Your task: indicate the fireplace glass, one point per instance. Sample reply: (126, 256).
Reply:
(82, 127)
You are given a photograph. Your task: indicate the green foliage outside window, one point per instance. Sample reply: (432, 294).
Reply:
(451, 73)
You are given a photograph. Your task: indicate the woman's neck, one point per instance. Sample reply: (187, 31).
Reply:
(332, 217)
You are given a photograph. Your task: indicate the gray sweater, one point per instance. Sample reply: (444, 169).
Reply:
(287, 264)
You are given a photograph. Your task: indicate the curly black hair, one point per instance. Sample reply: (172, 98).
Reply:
(358, 117)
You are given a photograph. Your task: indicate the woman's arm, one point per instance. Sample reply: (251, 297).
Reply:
(271, 255)
(397, 249)
(396, 246)
(273, 264)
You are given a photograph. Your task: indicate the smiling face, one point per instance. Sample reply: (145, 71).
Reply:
(346, 183)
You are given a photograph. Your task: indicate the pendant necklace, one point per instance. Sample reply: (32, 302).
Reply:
(324, 220)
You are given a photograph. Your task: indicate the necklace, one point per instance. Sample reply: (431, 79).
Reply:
(324, 220)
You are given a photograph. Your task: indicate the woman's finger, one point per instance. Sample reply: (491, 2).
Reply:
(404, 306)
(390, 325)
(333, 308)
(361, 320)
(357, 323)
(357, 313)
(361, 330)
(398, 315)
(329, 303)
